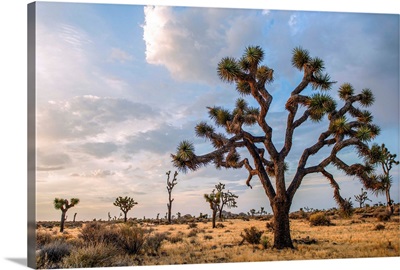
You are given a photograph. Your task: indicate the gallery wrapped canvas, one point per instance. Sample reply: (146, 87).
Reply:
(171, 135)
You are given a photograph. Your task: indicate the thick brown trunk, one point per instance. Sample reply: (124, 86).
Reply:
(169, 206)
(125, 219)
(282, 238)
(214, 216)
(63, 213)
(389, 204)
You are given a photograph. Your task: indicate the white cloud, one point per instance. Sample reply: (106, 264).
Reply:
(118, 55)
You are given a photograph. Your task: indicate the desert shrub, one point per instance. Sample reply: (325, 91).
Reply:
(251, 235)
(192, 233)
(264, 242)
(99, 255)
(270, 226)
(208, 237)
(131, 239)
(192, 225)
(153, 242)
(95, 232)
(43, 238)
(175, 239)
(220, 225)
(52, 253)
(379, 227)
(319, 219)
(383, 216)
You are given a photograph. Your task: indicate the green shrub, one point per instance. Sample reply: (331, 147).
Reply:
(319, 219)
(93, 255)
(131, 239)
(52, 253)
(264, 242)
(95, 233)
(251, 235)
(153, 242)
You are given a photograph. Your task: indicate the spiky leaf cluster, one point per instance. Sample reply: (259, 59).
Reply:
(319, 105)
(63, 204)
(125, 203)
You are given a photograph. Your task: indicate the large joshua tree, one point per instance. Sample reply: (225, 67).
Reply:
(64, 205)
(347, 126)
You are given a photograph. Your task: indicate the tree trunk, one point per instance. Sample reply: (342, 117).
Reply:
(214, 215)
(389, 204)
(125, 219)
(63, 213)
(282, 238)
(169, 205)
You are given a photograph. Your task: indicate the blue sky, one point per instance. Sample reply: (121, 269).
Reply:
(119, 86)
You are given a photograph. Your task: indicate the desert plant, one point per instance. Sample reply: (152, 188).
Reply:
(267, 162)
(153, 242)
(94, 233)
(214, 199)
(170, 186)
(380, 155)
(379, 227)
(319, 219)
(227, 198)
(64, 205)
(125, 204)
(43, 238)
(131, 239)
(362, 197)
(251, 235)
(264, 242)
(52, 253)
(100, 255)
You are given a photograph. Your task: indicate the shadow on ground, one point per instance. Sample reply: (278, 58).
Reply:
(20, 261)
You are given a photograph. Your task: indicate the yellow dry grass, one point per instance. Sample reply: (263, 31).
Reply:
(347, 238)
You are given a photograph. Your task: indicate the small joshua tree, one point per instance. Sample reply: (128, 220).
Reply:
(214, 200)
(227, 198)
(380, 155)
(361, 198)
(64, 205)
(170, 186)
(125, 204)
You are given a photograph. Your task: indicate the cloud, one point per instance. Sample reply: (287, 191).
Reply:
(118, 55)
(99, 149)
(190, 42)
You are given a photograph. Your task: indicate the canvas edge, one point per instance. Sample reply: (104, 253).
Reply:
(31, 135)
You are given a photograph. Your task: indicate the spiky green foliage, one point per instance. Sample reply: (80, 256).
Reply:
(253, 55)
(228, 69)
(367, 98)
(365, 117)
(300, 57)
(125, 204)
(319, 105)
(204, 130)
(346, 90)
(340, 126)
(322, 82)
(64, 205)
(243, 88)
(219, 115)
(265, 74)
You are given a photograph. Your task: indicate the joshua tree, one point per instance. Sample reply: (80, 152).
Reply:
(125, 204)
(227, 198)
(64, 205)
(346, 126)
(170, 186)
(362, 197)
(380, 155)
(214, 199)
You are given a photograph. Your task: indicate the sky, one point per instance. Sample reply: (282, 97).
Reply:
(119, 86)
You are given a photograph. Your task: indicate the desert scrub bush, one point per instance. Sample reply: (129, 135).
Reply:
(154, 242)
(251, 235)
(175, 239)
(99, 255)
(43, 238)
(192, 225)
(192, 233)
(319, 219)
(208, 237)
(379, 227)
(52, 253)
(264, 242)
(95, 232)
(383, 216)
(131, 239)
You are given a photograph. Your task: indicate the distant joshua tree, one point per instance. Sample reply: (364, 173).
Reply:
(381, 156)
(214, 200)
(125, 204)
(64, 205)
(227, 198)
(170, 186)
(362, 197)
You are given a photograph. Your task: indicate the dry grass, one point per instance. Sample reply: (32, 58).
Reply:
(347, 238)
